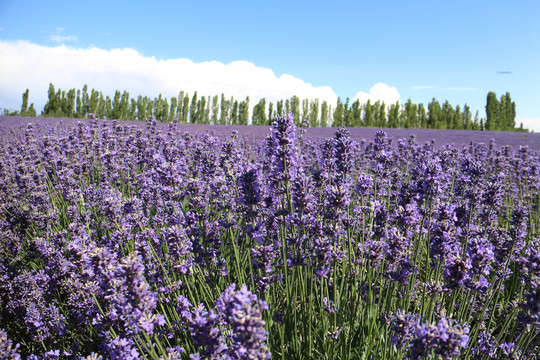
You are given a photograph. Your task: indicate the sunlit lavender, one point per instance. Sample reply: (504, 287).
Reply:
(153, 241)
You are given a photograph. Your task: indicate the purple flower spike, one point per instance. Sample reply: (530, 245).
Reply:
(243, 312)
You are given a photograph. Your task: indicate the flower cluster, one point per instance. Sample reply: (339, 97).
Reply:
(125, 240)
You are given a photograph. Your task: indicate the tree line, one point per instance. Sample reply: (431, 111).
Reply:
(222, 110)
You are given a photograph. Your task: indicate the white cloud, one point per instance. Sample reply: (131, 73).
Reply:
(62, 38)
(530, 123)
(379, 91)
(423, 87)
(26, 65)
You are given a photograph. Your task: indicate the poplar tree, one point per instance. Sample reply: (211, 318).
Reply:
(234, 113)
(215, 109)
(206, 113)
(185, 109)
(271, 114)
(411, 111)
(314, 113)
(100, 108)
(132, 115)
(280, 108)
(180, 106)
(193, 109)
(382, 115)
(368, 113)
(173, 109)
(393, 115)
(85, 101)
(52, 106)
(447, 116)
(507, 113)
(25, 110)
(324, 114)
(79, 106)
(346, 120)
(305, 110)
(259, 113)
(32, 112)
(149, 108)
(243, 112)
(124, 105)
(295, 109)
(422, 118)
(355, 114)
(434, 114)
(457, 124)
(201, 106)
(24, 106)
(93, 102)
(68, 103)
(108, 108)
(141, 108)
(467, 120)
(492, 112)
(225, 106)
(338, 114)
(116, 111)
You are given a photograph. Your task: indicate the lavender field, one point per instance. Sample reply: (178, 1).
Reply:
(130, 240)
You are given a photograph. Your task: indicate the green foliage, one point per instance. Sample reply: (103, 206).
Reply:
(338, 114)
(314, 113)
(259, 113)
(215, 110)
(500, 113)
(25, 110)
(243, 112)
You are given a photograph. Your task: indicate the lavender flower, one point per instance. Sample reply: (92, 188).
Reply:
(487, 346)
(445, 339)
(239, 311)
(243, 311)
(343, 151)
(249, 188)
(403, 328)
(282, 152)
(7, 350)
(329, 305)
(530, 314)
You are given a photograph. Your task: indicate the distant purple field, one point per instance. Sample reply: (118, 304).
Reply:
(458, 138)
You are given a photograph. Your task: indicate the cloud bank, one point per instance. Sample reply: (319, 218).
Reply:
(378, 92)
(24, 65)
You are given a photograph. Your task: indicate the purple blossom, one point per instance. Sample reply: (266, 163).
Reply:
(237, 310)
(403, 328)
(243, 311)
(445, 339)
(249, 188)
(7, 349)
(329, 305)
(282, 152)
(457, 271)
(343, 152)
(486, 346)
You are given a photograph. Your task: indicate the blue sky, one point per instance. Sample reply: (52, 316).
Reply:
(415, 50)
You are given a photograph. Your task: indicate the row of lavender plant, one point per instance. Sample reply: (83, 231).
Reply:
(125, 243)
